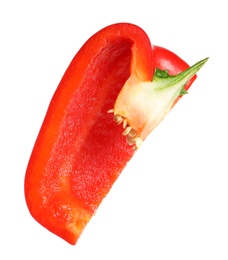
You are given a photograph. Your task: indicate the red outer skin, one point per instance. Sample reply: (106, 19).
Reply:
(80, 151)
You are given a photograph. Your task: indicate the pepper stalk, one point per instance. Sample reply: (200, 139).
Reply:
(141, 106)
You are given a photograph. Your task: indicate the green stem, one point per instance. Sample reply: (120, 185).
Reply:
(165, 80)
(145, 104)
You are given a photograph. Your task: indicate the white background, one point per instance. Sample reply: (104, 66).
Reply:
(171, 201)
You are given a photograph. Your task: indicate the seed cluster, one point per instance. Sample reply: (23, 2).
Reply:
(132, 137)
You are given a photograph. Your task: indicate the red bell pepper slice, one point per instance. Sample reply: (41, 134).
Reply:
(80, 150)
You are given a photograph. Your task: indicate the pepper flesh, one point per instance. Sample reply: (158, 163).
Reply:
(80, 151)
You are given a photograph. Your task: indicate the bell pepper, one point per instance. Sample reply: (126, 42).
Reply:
(116, 90)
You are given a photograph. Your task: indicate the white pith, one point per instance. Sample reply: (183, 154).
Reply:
(145, 103)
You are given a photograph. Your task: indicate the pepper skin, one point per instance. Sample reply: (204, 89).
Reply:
(80, 150)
